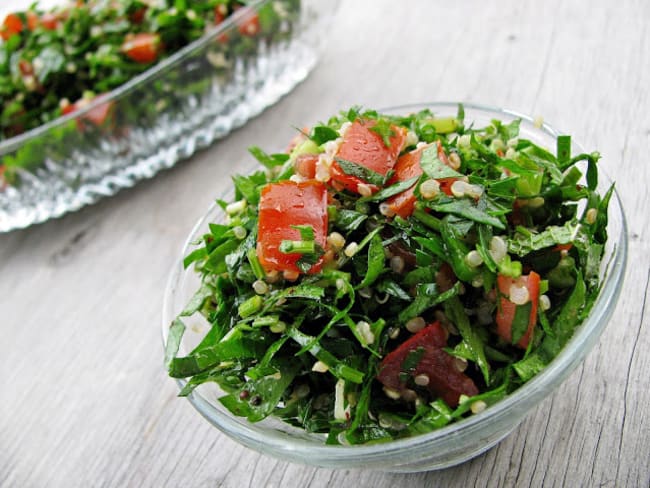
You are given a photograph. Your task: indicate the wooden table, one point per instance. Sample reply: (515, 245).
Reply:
(84, 399)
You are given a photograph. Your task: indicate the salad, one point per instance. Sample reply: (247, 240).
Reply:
(388, 275)
(56, 62)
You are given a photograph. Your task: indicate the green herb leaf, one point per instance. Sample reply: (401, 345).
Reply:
(529, 367)
(456, 250)
(592, 174)
(433, 167)
(195, 255)
(321, 134)
(235, 347)
(336, 367)
(521, 321)
(353, 169)
(262, 395)
(197, 301)
(427, 296)
(216, 261)
(465, 207)
(349, 220)
(376, 259)
(268, 160)
(176, 331)
(248, 187)
(456, 313)
(563, 150)
(526, 241)
(391, 190)
(569, 317)
(384, 128)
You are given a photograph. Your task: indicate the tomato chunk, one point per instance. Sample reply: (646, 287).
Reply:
(507, 309)
(26, 68)
(49, 21)
(220, 14)
(306, 165)
(408, 166)
(366, 148)
(11, 25)
(422, 355)
(137, 16)
(143, 47)
(445, 183)
(97, 116)
(248, 22)
(283, 205)
(32, 20)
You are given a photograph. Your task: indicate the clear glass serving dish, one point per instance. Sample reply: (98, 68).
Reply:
(450, 445)
(167, 113)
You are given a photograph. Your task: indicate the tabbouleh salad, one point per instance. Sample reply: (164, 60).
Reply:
(388, 275)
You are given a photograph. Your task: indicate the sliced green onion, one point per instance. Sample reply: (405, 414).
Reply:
(250, 306)
(300, 247)
(256, 266)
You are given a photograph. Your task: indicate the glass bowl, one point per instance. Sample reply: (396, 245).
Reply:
(180, 105)
(449, 445)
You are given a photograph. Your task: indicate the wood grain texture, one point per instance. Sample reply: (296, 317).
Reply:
(84, 400)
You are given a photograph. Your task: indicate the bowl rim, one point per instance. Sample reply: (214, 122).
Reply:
(13, 143)
(527, 395)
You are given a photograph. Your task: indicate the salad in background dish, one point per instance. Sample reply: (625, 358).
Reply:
(389, 275)
(55, 62)
(179, 103)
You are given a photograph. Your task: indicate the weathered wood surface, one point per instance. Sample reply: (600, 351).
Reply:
(84, 400)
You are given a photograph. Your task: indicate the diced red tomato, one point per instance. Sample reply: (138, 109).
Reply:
(30, 81)
(138, 15)
(11, 25)
(408, 166)
(220, 14)
(507, 309)
(250, 27)
(306, 165)
(26, 68)
(49, 21)
(445, 185)
(563, 247)
(366, 148)
(445, 277)
(445, 381)
(67, 108)
(97, 116)
(143, 47)
(442, 155)
(248, 22)
(32, 20)
(517, 216)
(283, 205)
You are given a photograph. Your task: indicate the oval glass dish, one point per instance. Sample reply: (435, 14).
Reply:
(452, 444)
(178, 106)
